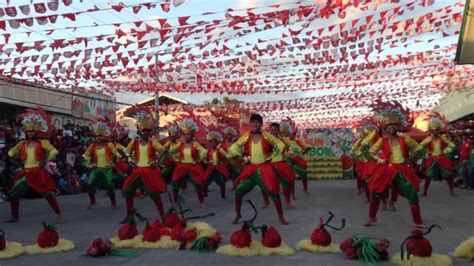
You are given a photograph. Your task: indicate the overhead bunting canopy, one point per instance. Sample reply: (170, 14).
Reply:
(320, 62)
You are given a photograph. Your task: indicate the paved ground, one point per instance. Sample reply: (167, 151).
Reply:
(455, 215)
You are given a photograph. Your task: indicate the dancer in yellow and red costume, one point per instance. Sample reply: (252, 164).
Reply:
(217, 157)
(257, 146)
(100, 157)
(297, 149)
(34, 152)
(391, 153)
(145, 152)
(233, 166)
(438, 165)
(170, 161)
(190, 156)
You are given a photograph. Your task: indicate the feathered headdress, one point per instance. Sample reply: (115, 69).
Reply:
(172, 130)
(144, 117)
(288, 126)
(214, 135)
(35, 120)
(389, 113)
(367, 124)
(188, 126)
(437, 121)
(102, 128)
(230, 131)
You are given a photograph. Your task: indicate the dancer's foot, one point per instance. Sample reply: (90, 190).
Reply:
(283, 221)
(265, 205)
(424, 194)
(237, 218)
(59, 219)
(370, 222)
(202, 206)
(289, 205)
(13, 220)
(391, 207)
(306, 192)
(90, 206)
(125, 220)
(114, 206)
(452, 194)
(383, 207)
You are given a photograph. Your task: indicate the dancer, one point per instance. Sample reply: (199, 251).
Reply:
(146, 175)
(100, 157)
(216, 156)
(438, 165)
(34, 152)
(392, 168)
(297, 149)
(170, 160)
(190, 156)
(233, 166)
(282, 168)
(257, 146)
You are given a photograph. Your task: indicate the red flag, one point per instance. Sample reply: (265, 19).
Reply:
(166, 6)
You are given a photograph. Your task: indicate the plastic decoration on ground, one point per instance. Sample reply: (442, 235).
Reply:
(366, 249)
(321, 240)
(241, 243)
(465, 250)
(419, 251)
(103, 248)
(48, 242)
(8, 249)
(175, 233)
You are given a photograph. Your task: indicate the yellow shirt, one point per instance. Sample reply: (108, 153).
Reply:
(102, 161)
(436, 148)
(143, 156)
(215, 158)
(256, 153)
(30, 161)
(397, 155)
(187, 156)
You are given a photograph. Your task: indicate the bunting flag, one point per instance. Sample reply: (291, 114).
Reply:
(328, 60)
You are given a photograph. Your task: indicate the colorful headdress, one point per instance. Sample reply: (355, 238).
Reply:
(172, 130)
(35, 120)
(214, 135)
(188, 126)
(285, 127)
(144, 117)
(101, 128)
(230, 131)
(391, 113)
(437, 122)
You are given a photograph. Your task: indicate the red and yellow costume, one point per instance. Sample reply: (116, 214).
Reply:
(170, 160)
(438, 165)
(189, 167)
(234, 167)
(391, 153)
(217, 158)
(33, 154)
(296, 148)
(146, 175)
(101, 157)
(259, 171)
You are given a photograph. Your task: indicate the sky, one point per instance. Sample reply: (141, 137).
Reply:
(84, 27)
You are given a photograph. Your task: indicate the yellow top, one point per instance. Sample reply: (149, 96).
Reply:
(101, 157)
(397, 156)
(437, 144)
(256, 150)
(31, 162)
(143, 151)
(143, 157)
(215, 155)
(187, 156)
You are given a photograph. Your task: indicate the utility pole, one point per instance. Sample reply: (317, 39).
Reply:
(157, 95)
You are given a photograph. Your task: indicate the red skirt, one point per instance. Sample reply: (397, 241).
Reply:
(269, 178)
(299, 161)
(285, 170)
(383, 176)
(220, 167)
(442, 160)
(368, 169)
(196, 171)
(121, 166)
(151, 178)
(169, 162)
(37, 178)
